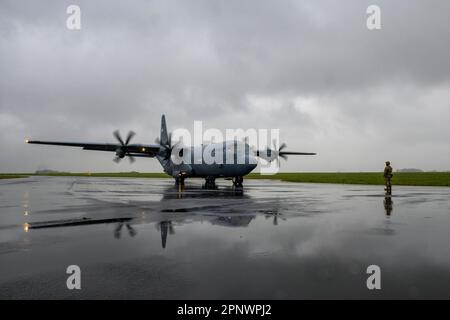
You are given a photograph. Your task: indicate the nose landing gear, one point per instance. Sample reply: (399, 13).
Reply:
(179, 179)
(237, 182)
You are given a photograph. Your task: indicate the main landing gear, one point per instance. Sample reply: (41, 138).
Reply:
(210, 183)
(237, 182)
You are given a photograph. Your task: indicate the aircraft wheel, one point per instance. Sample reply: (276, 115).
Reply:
(237, 182)
(210, 183)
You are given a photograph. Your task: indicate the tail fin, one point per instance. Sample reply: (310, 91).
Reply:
(164, 139)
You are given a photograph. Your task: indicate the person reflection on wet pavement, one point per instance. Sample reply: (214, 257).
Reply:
(388, 206)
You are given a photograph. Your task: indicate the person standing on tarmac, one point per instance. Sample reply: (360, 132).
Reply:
(387, 178)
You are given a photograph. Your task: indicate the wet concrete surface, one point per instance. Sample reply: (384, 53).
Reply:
(146, 239)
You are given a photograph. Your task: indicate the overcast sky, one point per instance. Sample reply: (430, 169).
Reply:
(310, 68)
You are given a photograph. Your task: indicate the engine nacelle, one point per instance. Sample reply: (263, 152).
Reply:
(120, 153)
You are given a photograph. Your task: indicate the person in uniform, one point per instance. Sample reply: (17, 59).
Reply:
(387, 177)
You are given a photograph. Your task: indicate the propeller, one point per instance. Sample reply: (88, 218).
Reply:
(278, 151)
(123, 151)
(168, 146)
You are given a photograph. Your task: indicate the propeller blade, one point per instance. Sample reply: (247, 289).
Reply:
(131, 158)
(131, 134)
(116, 159)
(283, 155)
(283, 145)
(118, 137)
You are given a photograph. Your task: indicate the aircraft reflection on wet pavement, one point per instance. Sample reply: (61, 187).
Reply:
(118, 230)
(179, 215)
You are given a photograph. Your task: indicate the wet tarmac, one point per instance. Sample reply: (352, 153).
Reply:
(146, 239)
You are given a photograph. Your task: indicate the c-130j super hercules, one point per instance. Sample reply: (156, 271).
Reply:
(164, 148)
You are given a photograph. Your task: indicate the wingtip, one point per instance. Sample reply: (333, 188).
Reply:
(27, 141)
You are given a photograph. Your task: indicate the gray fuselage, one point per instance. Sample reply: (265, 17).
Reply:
(226, 159)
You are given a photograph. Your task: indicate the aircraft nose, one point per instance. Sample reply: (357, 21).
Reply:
(248, 168)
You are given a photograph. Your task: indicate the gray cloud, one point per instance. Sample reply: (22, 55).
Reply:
(310, 68)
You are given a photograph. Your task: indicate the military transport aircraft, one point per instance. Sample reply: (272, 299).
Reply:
(163, 149)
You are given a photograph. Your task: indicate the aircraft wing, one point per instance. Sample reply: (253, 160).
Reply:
(298, 153)
(136, 150)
